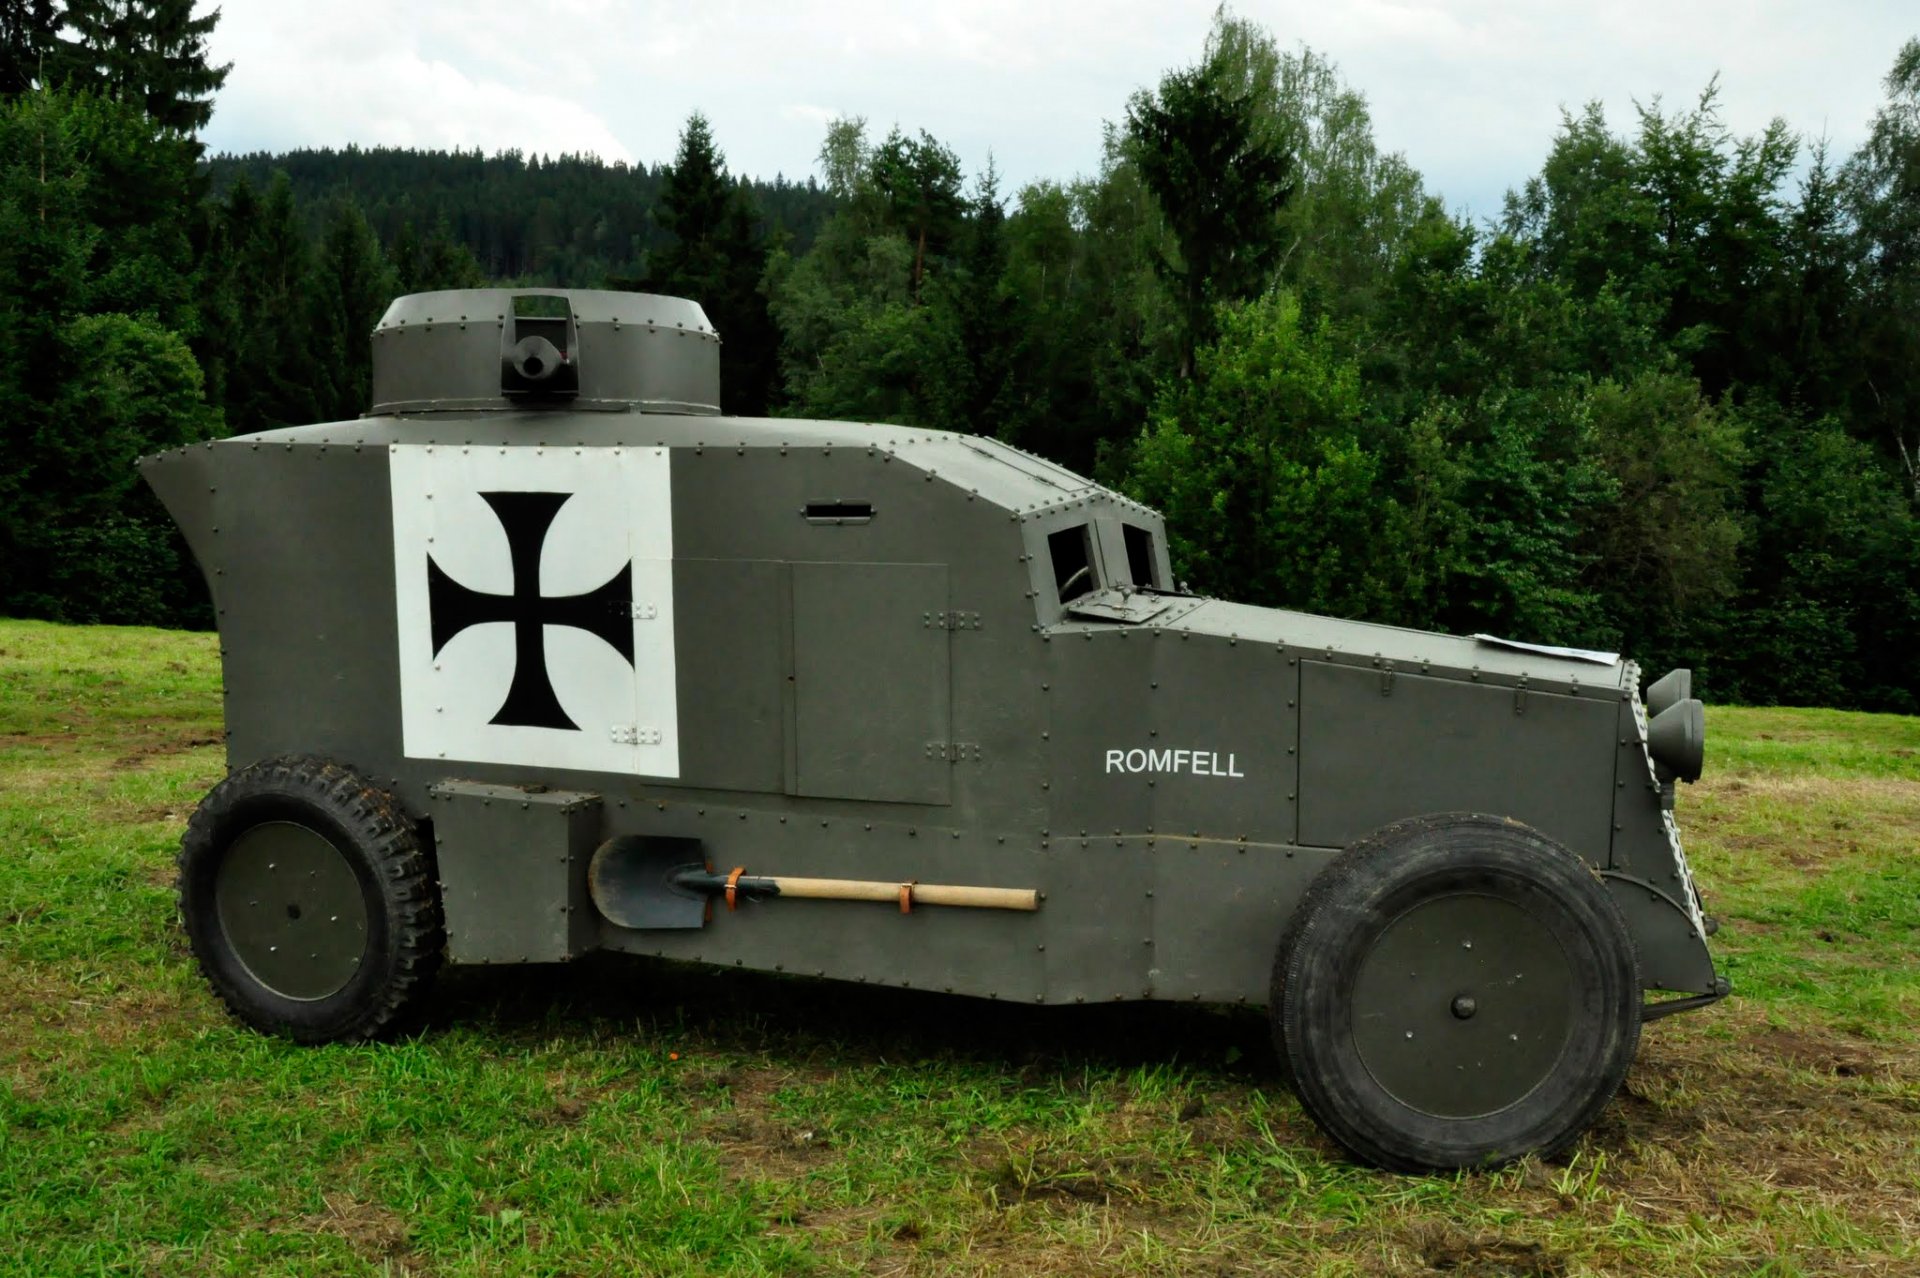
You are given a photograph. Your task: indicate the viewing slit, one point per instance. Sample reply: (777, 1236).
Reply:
(839, 512)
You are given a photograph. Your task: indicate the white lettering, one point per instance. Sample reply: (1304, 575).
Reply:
(1199, 763)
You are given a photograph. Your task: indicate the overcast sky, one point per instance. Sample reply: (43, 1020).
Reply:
(1469, 92)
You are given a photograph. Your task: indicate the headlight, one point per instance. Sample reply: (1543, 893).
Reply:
(1677, 736)
(1670, 689)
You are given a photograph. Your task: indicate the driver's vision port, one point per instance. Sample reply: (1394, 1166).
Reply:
(1140, 555)
(1072, 553)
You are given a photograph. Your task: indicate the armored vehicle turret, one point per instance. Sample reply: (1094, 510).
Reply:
(545, 655)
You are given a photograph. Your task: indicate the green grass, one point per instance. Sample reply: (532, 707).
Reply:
(1827, 743)
(639, 1118)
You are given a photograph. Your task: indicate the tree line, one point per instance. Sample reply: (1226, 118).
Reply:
(567, 221)
(1667, 402)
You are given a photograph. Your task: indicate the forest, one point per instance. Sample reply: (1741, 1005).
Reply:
(1667, 402)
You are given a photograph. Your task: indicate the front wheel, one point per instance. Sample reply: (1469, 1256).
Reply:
(308, 901)
(1454, 991)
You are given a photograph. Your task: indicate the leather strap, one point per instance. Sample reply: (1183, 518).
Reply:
(733, 888)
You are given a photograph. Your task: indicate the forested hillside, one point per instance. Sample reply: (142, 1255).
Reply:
(1668, 401)
(566, 221)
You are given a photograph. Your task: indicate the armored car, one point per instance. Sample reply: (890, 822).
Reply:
(545, 655)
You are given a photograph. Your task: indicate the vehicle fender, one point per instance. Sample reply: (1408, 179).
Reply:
(1673, 954)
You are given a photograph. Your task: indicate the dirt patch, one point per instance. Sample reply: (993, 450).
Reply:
(572, 1102)
(1732, 1131)
(1821, 1054)
(146, 753)
(1487, 1256)
(50, 1025)
(42, 740)
(766, 1148)
(1030, 1174)
(1863, 793)
(858, 1221)
(174, 813)
(753, 1141)
(376, 1234)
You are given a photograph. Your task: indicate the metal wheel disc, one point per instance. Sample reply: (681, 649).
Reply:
(1463, 1005)
(292, 910)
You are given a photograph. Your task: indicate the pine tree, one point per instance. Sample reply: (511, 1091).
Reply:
(272, 377)
(1220, 184)
(917, 182)
(27, 31)
(94, 387)
(988, 313)
(716, 257)
(151, 53)
(1883, 194)
(438, 262)
(350, 288)
(693, 209)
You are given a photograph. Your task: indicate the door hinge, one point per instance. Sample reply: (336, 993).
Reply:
(631, 734)
(951, 620)
(954, 751)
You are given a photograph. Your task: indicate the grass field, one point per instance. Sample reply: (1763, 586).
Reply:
(636, 1118)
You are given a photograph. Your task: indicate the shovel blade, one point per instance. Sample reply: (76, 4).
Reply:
(631, 882)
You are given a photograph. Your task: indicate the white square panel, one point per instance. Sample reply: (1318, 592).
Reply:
(534, 595)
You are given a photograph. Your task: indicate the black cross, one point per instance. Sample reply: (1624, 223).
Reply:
(606, 611)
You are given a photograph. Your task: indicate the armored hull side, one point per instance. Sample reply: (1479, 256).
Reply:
(900, 695)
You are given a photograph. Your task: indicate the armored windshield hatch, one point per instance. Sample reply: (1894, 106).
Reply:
(1118, 605)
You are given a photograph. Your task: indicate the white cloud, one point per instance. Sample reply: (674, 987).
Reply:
(327, 76)
(816, 115)
(1471, 92)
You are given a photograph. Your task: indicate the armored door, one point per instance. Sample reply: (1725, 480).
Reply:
(872, 705)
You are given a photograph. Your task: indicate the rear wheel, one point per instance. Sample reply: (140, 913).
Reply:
(1456, 990)
(308, 901)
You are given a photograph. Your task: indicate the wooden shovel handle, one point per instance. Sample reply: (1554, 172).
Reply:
(982, 898)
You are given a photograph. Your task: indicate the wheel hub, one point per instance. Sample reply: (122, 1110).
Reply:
(292, 909)
(1463, 1005)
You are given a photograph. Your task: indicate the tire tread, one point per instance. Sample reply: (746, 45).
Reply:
(387, 836)
(1329, 893)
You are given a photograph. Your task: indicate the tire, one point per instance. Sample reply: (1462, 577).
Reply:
(309, 902)
(1416, 1052)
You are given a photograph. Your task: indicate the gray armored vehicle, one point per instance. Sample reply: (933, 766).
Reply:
(545, 656)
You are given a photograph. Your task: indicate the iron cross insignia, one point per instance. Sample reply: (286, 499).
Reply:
(605, 612)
